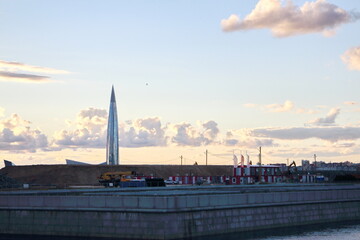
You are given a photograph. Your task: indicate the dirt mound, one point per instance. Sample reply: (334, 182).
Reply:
(64, 175)
(7, 182)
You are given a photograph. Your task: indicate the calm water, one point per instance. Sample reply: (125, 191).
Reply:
(333, 231)
(346, 233)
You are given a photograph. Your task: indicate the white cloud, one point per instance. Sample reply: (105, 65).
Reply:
(286, 107)
(150, 132)
(2, 111)
(17, 135)
(143, 133)
(16, 66)
(187, 135)
(19, 72)
(287, 19)
(90, 131)
(92, 118)
(211, 130)
(329, 120)
(352, 58)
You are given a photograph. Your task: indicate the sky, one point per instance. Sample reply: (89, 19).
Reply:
(189, 76)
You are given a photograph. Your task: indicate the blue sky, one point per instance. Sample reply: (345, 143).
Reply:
(183, 83)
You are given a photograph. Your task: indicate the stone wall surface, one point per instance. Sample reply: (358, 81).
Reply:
(176, 212)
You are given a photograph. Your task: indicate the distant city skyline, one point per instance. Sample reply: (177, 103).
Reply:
(193, 76)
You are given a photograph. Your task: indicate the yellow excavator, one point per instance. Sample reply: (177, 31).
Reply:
(109, 179)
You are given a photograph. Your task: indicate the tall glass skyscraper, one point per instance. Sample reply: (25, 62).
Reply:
(112, 143)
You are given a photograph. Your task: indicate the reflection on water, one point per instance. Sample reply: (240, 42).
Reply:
(329, 231)
(32, 237)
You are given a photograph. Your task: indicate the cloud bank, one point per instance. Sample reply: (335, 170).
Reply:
(331, 134)
(88, 131)
(243, 139)
(289, 20)
(352, 58)
(16, 134)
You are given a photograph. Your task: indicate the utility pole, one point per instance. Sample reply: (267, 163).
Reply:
(181, 161)
(206, 156)
(315, 161)
(260, 170)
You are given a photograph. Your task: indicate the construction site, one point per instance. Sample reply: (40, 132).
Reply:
(65, 176)
(62, 176)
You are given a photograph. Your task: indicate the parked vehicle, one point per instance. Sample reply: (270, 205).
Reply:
(169, 182)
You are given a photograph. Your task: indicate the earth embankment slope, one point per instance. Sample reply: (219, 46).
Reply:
(88, 174)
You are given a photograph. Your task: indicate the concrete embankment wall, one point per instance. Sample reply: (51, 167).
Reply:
(175, 213)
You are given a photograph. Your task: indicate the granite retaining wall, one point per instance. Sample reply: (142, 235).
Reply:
(176, 214)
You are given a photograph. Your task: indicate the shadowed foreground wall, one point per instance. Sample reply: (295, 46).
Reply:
(174, 212)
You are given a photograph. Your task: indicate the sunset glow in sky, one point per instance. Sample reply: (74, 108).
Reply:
(226, 76)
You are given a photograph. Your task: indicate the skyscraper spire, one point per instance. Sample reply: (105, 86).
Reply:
(112, 143)
(112, 95)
